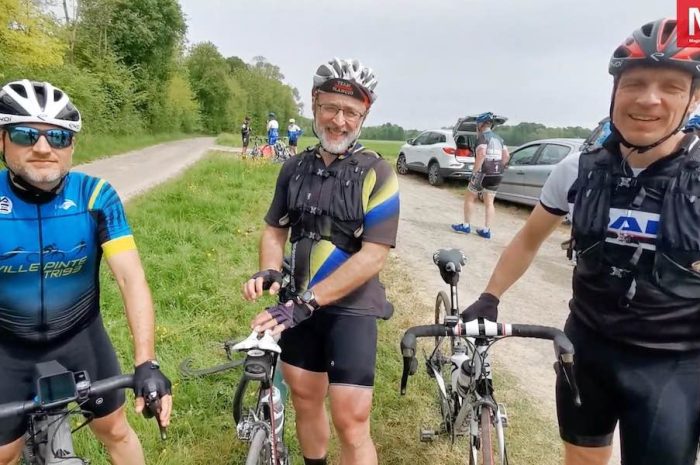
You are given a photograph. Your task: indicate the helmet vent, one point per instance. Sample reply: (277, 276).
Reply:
(19, 89)
(669, 28)
(621, 52)
(646, 29)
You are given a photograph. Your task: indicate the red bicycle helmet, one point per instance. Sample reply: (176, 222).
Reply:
(655, 44)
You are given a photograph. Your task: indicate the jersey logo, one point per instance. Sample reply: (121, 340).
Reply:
(635, 225)
(67, 205)
(5, 205)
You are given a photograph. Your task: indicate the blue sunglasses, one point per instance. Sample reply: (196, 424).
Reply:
(27, 136)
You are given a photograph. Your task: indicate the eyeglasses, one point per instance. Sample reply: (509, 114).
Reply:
(328, 110)
(27, 136)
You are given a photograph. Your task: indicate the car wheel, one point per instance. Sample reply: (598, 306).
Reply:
(401, 166)
(434, 178)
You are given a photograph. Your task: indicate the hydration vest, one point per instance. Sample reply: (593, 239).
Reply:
(326, 203)
(611, 266)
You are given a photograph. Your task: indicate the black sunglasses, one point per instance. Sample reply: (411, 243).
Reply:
(27, 136)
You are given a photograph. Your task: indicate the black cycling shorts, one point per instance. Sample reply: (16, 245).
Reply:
(487, 183)
(344, 346)
(654, 394)
(245, 138)
(89, 350)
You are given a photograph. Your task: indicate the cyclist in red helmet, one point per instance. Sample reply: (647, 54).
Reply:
(635, 309)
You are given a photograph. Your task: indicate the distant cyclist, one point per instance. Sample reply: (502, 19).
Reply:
(635, 310)
(245, 134)
(294, 132)
(693, 125)
(491, 158)
(273, 129)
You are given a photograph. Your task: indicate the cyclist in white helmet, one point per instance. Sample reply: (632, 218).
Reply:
(294, 132)
(56, 226)
(340, 202)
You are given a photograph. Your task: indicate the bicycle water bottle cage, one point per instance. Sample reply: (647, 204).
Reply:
(449, 262)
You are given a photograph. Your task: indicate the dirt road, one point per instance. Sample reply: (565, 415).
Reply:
(540, 297)
(135, 172)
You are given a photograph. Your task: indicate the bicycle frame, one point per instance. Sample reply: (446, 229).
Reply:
(260, 365)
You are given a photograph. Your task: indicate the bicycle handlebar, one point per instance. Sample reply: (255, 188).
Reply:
(99, 387)
(482, 328)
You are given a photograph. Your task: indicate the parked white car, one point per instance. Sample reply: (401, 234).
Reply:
(435, 152)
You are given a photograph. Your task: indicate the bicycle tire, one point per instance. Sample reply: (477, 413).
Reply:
(484, 453)
(442, 307)
(259, 450)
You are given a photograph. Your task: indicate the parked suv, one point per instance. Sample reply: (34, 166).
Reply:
(435, 152)
(442, 153)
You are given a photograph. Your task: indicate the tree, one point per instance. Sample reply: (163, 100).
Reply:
(29, 39)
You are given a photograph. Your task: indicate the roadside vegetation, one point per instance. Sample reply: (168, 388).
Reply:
(198, 240)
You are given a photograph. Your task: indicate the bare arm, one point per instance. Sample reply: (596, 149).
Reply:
(359, 269)
(519, 253)
(505, 156)
(138, 304)
(271, 255)
(479, 158)
(131, 279)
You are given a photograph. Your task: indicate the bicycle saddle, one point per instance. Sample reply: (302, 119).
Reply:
(254, 341)
(450, 262)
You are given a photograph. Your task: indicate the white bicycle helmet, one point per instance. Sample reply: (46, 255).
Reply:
(349, 70)
(37, 102)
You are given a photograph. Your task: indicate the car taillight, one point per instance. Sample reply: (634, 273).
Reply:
(449, 150)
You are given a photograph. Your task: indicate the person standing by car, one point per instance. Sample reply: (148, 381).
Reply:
(245, 134)
(341, 203)
(635, 310)
(294, 132)
(49, 304)
(272, 129)
(491, 158)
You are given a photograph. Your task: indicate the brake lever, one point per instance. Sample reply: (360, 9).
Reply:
(566, 367)
(410, 364)
(153, 409)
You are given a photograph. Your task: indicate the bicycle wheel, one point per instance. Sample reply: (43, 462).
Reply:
(259, 452)
(483, 452)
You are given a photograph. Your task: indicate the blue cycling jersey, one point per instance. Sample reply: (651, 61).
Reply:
(50, 255)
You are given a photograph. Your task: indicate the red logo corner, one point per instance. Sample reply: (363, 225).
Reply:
(688, 16)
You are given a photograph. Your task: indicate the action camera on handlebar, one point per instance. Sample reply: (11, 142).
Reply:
(56, 386)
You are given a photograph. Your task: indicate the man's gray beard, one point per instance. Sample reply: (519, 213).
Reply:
(337, 148)
(34, 178)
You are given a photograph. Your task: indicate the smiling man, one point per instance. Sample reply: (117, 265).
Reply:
(55, 227)
(341, 203)
(635, 310)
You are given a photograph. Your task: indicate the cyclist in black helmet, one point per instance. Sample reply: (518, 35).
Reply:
(635, 311)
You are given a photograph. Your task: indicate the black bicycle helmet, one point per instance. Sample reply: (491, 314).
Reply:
(656, 45)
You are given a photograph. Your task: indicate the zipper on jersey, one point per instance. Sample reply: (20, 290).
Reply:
(41, 269)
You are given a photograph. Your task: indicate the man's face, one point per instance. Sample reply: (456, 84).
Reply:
(337, 129)
(40, 164)
(650, 103)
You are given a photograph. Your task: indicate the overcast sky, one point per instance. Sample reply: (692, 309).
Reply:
(530, 60)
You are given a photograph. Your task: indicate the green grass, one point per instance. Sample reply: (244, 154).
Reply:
(91, 147)
(388, 148)
(198, 239)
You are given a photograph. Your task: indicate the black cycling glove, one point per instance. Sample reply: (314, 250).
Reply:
(291, 313)
(269, 277)
(485, 307)
(148, 378)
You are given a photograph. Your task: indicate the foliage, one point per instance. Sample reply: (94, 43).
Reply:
(526, 132)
